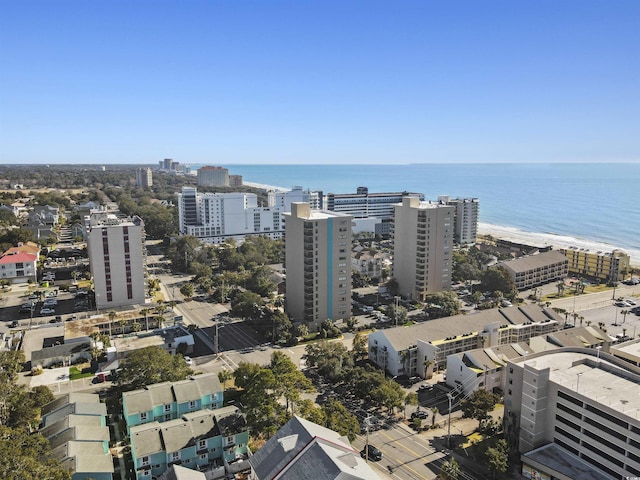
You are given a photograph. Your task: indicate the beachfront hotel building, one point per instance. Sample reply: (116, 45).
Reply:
(372, 212)
(422, 247)
(597, 265)
(574, 413)
(318, 265)
(213, 177)
(535, 270)
(466, 218)
(116, 259)
(216, 217)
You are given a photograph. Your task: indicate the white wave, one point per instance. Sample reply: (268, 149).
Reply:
(262, 186)
(553, 239)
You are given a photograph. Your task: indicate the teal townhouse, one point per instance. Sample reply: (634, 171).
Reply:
(184, 424)
(212, 441)
(76, 427)
(162, 402)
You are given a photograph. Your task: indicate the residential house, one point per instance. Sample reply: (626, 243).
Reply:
(19, 267)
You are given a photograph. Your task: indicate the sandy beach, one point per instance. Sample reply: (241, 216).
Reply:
(521, 236)
(557, 241)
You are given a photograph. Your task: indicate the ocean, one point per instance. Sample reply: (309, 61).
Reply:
(589, 205)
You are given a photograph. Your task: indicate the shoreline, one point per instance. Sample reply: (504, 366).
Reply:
(555, 240)
(522, 236)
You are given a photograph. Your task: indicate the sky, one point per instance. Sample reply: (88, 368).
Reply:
(303, 81)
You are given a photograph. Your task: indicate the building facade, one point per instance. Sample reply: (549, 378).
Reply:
(117, 259)
(573, 413)
(19, 267)
(213, 177)
(597, 265)
(216, 217)
(199, 440)
(318, 263)
(144, 177)
(364, 205)
(466, 218)
(535, 270)
(422, 247)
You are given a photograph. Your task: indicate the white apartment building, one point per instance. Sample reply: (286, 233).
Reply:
(144, 177)
(574, 413)
(216, 217)
(116, 258)
(422, 247)
(318, 263)
(466, 218)
(423, 348)
(213, 177)
(372, 212)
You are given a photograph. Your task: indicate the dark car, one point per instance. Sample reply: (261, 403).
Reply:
(421, 414)
(372, 453)
(14, 324)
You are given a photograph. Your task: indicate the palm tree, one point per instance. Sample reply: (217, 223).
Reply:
(224, 376)
(145, 312)
(112, 314)
(450, 470)
(624, 315)
(427, 363)
(434, 412)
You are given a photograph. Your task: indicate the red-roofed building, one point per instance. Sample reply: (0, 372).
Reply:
(18, 267)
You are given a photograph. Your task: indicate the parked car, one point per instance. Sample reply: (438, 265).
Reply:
(14, 324)
(47, 311)
(372, 453)
(50, 302)
(188, 360)
(421, 414)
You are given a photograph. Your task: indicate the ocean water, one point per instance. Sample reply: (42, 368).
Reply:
(591, 205)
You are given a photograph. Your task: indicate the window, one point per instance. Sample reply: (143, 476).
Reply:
(143, 417)
(202, 444)
(145, 461)
(167, 407)
(174, 456)
(193, 404)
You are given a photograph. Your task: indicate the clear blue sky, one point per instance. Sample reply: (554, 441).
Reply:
(301, 81)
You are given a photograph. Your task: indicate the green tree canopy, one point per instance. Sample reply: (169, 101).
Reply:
(497, 278)
(479, 404)
(340, 420)
(442, 304)
(150, 365)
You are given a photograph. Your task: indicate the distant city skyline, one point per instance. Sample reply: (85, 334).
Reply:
(290, 82)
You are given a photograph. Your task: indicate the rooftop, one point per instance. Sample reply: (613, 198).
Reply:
(602, 382)
(533, 262)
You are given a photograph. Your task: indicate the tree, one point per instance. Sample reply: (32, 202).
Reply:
(28, 456)
(388, 394)
(187, 290)
(291, 381)
(245, 303)
(442, 304)
(224, 376)
(450, 470)
(497, 278)
(498, 457)
(340, 420)
(410, 399)
(360, 347)
(150, 365)
(479, 404)
(397, 314)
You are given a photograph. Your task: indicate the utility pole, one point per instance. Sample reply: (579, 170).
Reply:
(450, 397)
(216, 342)
(366, 445)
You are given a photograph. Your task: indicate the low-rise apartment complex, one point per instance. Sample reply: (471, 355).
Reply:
(535, 270)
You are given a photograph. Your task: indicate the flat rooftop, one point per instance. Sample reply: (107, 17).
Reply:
(580, 372)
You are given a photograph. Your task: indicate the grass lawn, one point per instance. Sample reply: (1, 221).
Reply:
(75, 373)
